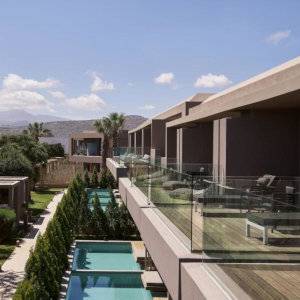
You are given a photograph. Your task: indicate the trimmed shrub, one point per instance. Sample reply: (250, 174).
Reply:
(86, 179)
(47, 263)
(13, 162)
(54, 150)
(95, 182)
(7, 222)
(173, 184)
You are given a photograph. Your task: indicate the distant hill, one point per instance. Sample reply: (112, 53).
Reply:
(18, 117)
(62, 129)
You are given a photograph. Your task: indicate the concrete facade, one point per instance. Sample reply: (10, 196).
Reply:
(250, 129)
(15, 194)
(167, 251)
(255, 126)
(157, 128)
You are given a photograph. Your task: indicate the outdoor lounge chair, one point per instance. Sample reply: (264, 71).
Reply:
(174, 184)
(284, 200)
(270, 220)
(264, 185)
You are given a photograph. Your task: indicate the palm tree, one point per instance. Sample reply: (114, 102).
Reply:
(37, 130)
(110, 127)
(117, 123)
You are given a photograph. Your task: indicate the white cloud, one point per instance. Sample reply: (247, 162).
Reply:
(99, 84)
(164, 78)
(57, 94)
(147, 107)
(212, 81)
(276, 37)
(23, 100)
(86, 102)
(16, 82)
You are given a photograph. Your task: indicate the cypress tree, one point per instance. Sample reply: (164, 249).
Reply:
(85, 214)
(95, 182)
(86, 179)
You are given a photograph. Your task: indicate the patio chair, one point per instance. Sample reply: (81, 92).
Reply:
(264, 185)
(284, 200)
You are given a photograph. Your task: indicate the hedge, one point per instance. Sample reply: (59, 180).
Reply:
(49, 260)
(7, 222)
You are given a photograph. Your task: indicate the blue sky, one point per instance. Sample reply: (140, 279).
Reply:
(82, 59)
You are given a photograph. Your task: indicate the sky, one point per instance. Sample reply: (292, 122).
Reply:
(81, 59)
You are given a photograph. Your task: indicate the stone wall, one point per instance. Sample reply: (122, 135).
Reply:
(59, 173)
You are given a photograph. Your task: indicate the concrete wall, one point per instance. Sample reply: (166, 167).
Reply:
(147, 140)
(85, 159)
(138, 136)
(123, 138)
(208, 281)
(171, 143)
(165, 248)
(257, 143)
(158, 136)
(197, 144)
(116, 170)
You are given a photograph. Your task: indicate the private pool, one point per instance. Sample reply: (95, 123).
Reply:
(105, 270)
(104, 256)
(103, 194)
(106, 286)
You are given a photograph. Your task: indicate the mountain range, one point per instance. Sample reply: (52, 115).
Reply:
(61, 130)
(18, 117)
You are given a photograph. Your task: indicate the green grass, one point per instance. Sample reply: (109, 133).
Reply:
(40, 199)
(8, 246)
(5, 251)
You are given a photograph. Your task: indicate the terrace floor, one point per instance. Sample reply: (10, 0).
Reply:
(222, 235)
(266, 282)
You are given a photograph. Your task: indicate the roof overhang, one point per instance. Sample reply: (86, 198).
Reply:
(174, 111)
(277, 88)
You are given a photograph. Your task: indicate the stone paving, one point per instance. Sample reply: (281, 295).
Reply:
(14, 267)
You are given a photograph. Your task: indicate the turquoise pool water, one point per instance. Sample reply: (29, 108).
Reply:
(106, 286)
(104, 256)
(103, 194)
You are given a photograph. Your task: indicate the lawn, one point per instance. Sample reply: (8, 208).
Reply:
(40, 200)
(5, 251)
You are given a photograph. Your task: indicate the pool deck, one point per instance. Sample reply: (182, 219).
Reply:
(138, 250)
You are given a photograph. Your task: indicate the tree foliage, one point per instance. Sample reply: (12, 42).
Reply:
(95, 182)
(34, 151)
(49, 260)
(54, 150)
(110, 126)
(13, 162)
(7, 222)
(86, 179)
(36, 130)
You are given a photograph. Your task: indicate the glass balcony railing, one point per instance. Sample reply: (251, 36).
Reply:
(226, 219)
(252, 224)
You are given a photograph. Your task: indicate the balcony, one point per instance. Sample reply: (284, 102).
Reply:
(220, 220)
(86, 151)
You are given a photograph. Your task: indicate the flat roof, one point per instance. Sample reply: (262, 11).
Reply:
(86, 134)
(173, 110)
(273, 85)
(8, 183)
(13, 178)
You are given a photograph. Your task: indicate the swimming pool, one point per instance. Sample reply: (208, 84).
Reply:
(103, 194)
(105, 270)
(104, 256)
(106, 286)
